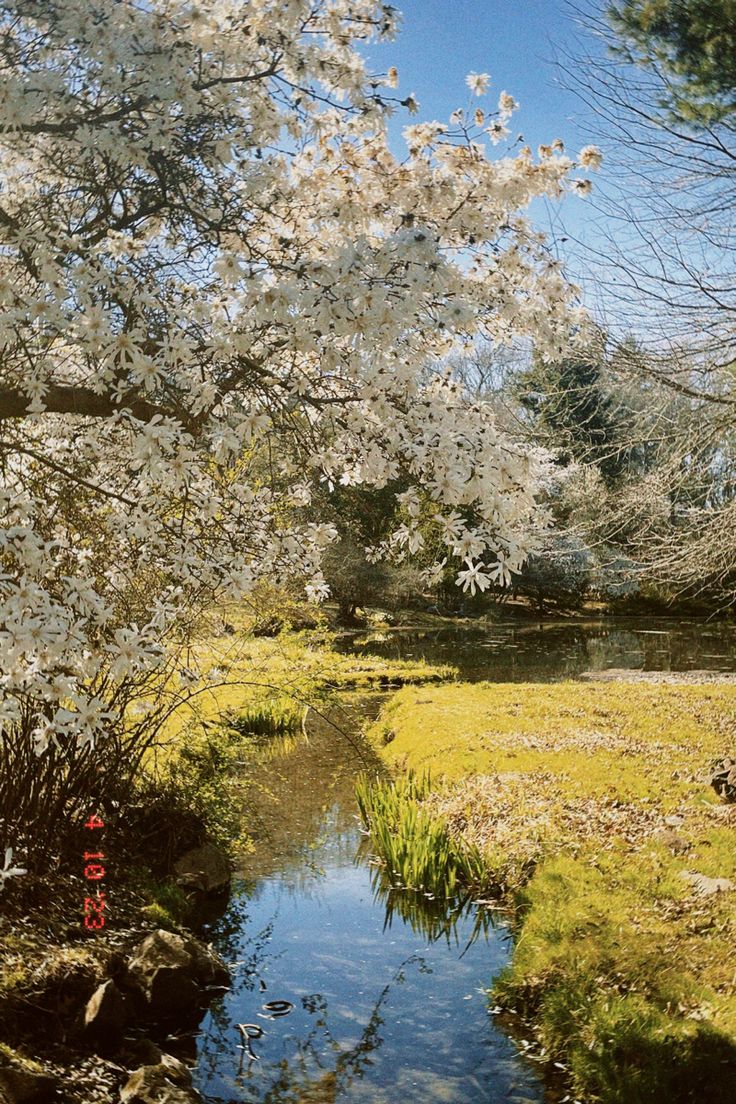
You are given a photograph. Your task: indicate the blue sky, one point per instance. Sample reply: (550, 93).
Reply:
(519, 43)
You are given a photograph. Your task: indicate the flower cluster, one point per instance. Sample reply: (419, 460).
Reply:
(218, 286)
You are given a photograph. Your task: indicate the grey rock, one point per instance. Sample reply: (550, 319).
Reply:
(166, 1082)
(211, 971)
(163, 970)
(706, 887)
(205, 868)
(171, 971)
(105, 1014)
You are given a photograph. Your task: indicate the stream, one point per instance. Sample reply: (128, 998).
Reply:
(389, 993)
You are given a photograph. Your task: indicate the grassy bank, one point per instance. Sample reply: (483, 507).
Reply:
(591, 806)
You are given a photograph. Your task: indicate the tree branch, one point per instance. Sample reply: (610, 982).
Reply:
(71, 399)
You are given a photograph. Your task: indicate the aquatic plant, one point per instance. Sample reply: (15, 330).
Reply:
(268, 717)
(415, 847)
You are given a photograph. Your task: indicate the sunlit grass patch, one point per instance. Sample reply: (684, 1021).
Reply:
(589, 802)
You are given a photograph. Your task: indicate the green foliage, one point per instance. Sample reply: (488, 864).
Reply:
(693, 42)
(571, 412)
(168, 906)
(416, 847)
(355, 582)
(208, 759)
(189, 799)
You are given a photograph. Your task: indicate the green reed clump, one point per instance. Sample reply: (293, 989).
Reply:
(268, 717)
(415, 846)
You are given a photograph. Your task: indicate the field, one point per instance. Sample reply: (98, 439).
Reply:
(591, 806)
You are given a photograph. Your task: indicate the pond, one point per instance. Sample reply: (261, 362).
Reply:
(389, 995)
(530, 650)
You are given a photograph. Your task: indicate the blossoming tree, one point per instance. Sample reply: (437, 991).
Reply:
(210, 255)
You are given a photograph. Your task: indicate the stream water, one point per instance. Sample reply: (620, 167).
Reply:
(389, 993)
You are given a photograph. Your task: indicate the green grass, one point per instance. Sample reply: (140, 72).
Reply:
(168, 906)
(624, 973)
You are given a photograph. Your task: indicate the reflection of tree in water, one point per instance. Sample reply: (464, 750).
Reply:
(297, 1082)
(321, 1069)
(549, 650)
(245, 972)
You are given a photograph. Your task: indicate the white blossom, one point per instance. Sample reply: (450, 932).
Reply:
(590, 157)
(473, 578)
(478, 83)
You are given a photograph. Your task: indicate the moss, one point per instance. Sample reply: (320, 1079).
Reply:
(167, 906)
(625, 973)
(10, 1057)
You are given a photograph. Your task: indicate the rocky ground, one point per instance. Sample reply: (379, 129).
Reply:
(107, 1018)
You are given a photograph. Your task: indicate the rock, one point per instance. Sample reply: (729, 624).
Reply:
(723, 778)
(211, 971)
(22, 1083)
(166, 1082)
(141, 1052)
(164, 972)
(105, 1014)
(170, 972)
(705, 886)
(206, 868)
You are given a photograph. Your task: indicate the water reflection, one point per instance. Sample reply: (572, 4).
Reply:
(388, 987)
(309, 1075)
(545, 651)
(455, 920)
(389, 1003)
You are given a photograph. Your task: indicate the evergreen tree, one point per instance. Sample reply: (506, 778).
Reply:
(693, 43)
(572, 413)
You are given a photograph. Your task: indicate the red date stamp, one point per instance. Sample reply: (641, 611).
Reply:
(95, 871)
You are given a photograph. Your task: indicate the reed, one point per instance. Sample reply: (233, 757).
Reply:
(414, 846)
(268, 717)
